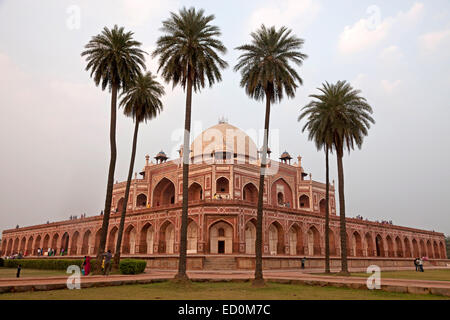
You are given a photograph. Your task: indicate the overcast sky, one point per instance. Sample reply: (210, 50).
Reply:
(54, 122)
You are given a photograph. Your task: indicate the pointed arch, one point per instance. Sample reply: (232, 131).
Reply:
(141, 201)
(46, 242)
(195, 192)
(129, 240)
(399, 246)
(23, 245)
(97, 240)
(423, 248)
(379, 246)
(146, 239)
(369, 248)
(250, 236)
(295, 237)
(167, 237)
(276, 238)
(192, 237)
(119, 206)
(112, 239)
(429, 250)
(407, 244)
(74, 244)
(163, 193)
(29, 249)
(390, 246)
(222, 185)
(415, 246)
(281, 193)
(442, 250)
(85, 246)
(313, 236)
(250, 193)
(55, 239)
(322, 206)
(304, 202)
(357, 244)
(64, 243)
(37, 243)
(436, 250)
(221, 237)
(10, 247)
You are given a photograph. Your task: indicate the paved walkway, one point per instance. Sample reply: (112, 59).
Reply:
(283, 276)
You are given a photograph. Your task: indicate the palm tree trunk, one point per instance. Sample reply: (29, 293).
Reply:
(184, 214)
(343, 233)
(259, 280)
(127, 193)
(327, 213)
(112, 166)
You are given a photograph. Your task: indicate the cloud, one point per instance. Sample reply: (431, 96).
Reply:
(433, 42)
(138, 12)
(369, 32)
(390, 86)
(290, 12)
(391, 54)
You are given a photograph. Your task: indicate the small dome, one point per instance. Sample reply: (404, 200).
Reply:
(161, 156)
(285, 155)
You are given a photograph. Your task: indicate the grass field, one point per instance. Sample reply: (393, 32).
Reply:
(216, 291)
(439, 274)
(30, 273)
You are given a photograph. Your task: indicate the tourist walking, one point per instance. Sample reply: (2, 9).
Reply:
(303, 262)
(19, 267)
(87, 265)
(107, 262)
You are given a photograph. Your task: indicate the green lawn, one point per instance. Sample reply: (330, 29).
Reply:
(440, 274)
(27, 273)
(216, 291)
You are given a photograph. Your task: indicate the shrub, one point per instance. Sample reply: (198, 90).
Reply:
(1, 262)
(47, 264)
(132, 266)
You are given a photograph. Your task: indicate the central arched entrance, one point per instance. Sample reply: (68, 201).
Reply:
(221, 238)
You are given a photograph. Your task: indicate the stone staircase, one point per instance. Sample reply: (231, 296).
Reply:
(219, 263)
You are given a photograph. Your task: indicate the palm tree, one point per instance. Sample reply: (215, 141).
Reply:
(114, 59)
(140, 101)
(318, 124)
(267, 74)
(189, 56)
(348, 120)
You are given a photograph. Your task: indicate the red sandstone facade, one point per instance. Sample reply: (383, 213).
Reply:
(223, 188)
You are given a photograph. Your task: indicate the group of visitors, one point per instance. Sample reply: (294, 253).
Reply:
(418, 263)
(106, 264)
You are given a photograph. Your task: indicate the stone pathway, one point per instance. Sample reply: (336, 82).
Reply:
(281, 276)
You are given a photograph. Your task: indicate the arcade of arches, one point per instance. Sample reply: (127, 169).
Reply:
(222, 238)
